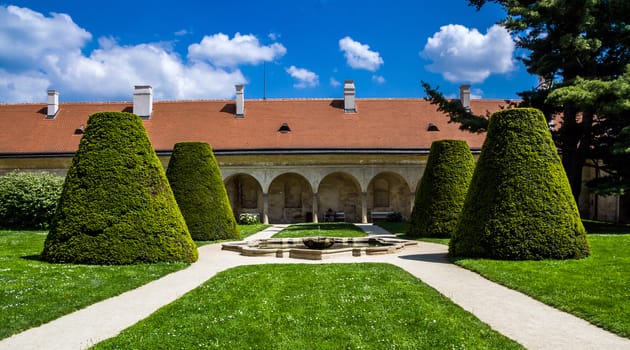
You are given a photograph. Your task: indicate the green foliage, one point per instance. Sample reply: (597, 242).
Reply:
(196, 181)
(610, 102)
(248, 219)
(455, 111)
(442, 189)
(566, 39)
(28, 200)
(116, 206)
(519, 203)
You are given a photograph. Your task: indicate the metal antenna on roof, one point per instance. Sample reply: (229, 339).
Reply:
(264, 80)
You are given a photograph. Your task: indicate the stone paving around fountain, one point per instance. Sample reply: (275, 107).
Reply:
(527, 321)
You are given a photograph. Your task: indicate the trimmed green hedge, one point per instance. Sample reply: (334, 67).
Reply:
(116, 206)
(28, 200)
(196, 181)
(442, 190)
(519, 204)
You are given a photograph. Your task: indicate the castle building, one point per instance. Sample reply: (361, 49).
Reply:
(285, 160)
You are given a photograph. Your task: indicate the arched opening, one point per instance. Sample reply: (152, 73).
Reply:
(245, 194)
(290, 199)
(341, 193)
(389, 192)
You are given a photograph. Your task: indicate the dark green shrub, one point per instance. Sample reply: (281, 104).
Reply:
(196, 181)
(442, 190)
(519, 204)
(28, 200)
(116, 206)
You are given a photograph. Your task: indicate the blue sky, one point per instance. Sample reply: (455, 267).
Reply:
(307, 48)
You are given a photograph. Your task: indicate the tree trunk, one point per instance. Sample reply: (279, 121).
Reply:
(573, 149)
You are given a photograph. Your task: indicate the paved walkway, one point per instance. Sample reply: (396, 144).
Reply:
(527, 321)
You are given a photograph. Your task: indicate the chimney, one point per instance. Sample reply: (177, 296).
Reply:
(464, 96)
(240, 100)
(143, 101)
(349, 105)
(53, 103)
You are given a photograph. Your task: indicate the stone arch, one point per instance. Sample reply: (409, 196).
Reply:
(389, 191)
(245, 194)
(340, 192)
(290, 199)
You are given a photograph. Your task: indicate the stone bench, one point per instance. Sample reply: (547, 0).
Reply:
(380, 215)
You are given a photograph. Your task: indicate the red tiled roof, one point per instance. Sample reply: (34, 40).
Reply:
(314, 124)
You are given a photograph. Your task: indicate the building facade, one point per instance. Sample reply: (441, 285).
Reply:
(285, 160)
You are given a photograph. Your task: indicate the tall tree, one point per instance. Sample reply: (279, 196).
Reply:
(609, 100)
(566, 39)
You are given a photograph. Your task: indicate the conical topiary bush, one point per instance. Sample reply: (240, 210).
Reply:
(519, 204)
(116, 205)
(196, 181)
(442, 189)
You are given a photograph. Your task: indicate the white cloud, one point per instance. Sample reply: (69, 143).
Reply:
(46, 52)
(30, 87)
(181, 32)
(465, 55)
(334, 82)
(26, 36)
(379, 79)
(304, 77)
(242, 49)
(359, 56)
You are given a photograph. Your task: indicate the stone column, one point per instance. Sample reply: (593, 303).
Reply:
(265, 214)
(364, 219)
(315, 208)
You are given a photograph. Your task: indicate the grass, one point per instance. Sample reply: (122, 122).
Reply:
(33, 292)
(330, 306)
(328, 229)
(400, 229)
(246, 231)
(596, 288)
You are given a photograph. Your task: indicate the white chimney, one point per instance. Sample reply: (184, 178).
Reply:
(349, 105)
(53, 103)
(240, 100)
(143, 100)
(464, 96)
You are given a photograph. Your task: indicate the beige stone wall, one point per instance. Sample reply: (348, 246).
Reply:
(298, 188)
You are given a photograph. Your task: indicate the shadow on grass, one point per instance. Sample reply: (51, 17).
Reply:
(604, 227)
(34, 257)
(429, 257)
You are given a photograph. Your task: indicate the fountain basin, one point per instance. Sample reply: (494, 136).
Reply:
(296, 247)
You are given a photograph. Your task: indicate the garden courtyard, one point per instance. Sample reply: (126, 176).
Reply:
(413, 299)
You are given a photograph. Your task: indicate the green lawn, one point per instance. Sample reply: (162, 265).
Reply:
(248, 230)
(330, 306)
(596, 289)
(400, 229)
(329, 229)
(33, 292)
